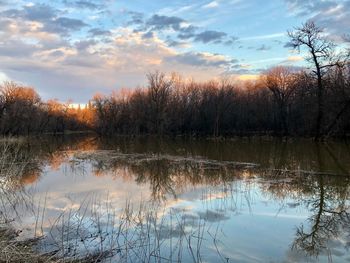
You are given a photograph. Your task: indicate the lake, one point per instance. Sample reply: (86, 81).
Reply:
(179, 200)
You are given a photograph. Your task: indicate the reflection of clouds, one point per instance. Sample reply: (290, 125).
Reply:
(293, 205)
(198, 191)
(177, 229)
(291, 216)
(213, 216)
(216, 195)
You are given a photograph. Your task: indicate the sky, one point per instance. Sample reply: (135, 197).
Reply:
(73, 49)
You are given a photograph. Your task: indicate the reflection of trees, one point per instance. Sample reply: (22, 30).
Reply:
(326, 198)
(168, 173)
(165, 174)
(168, 177)
(278, 154)
(329, 221)
(22, 162)
(331, 213)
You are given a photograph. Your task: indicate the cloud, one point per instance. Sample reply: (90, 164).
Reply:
(295, 58)
(232, 40)
(333, 15)
(77, 69)
(261, 37)
(74, 57)
(50, 18)
(84, 4)
(3, 77)
(57, 53)
(201, 59)
(187, 32)
(148, 34)
(160, 22)
(175, 43)
(85, 44)
(17, 48)
(37, 12)
(288, 45)
(137, 18)
(210, 36)
(5, 25)
(184, 30)
(212, 4)
(290, 60)
(62, 24)
(178, 9)
(263, 47)
(245, 77)
(99, 32)
(306, 7)
(242, 69)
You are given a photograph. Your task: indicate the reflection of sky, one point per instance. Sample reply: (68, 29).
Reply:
(250, 225)
(255, 232)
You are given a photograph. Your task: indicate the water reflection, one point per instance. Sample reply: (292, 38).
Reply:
(330, 214)
(198, 200)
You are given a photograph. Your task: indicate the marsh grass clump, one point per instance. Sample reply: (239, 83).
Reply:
(15, 161)
(97, 232)
(12, 250)
(13, 164)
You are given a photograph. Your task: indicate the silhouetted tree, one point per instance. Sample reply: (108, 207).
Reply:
(321, 55)
(281, 82)
(159, 90)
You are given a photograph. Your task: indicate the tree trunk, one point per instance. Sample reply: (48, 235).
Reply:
(320, 103)
(340, 113)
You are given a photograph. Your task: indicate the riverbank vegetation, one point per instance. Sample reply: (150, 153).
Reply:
(284, 101)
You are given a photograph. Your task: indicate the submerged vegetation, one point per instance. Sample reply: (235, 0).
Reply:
(284, 101)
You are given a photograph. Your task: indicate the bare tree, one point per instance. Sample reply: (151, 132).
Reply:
(159, 91)
(20, 108)
(281, 82)
(223, 101)
(321, 55)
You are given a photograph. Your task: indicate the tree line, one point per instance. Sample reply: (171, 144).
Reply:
(22, 111)
(284, 101)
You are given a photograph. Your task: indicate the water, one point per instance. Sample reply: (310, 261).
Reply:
(152, 200)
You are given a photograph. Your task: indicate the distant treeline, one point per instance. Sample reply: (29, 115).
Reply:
(23, 112)
(284, 101)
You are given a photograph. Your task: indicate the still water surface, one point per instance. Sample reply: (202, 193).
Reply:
(152, 200)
